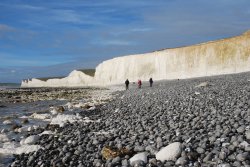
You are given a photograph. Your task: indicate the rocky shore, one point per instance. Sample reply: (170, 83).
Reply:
(26, 95)
(194, 122)
(27, 111)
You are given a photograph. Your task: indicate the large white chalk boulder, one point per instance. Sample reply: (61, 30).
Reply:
(61, 119)
(170, 152)
(11, 148)
(41, 116)
(203, 84)
(4, 138)
(137, 158)
(46, 132)
(27, 149)
(30, 140)
(8, 122)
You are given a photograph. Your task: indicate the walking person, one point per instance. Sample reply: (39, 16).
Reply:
(127, 84)
(151, 82)
(139, 83)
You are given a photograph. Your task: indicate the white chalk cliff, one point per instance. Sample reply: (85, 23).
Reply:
(74, 79)
(226, 56)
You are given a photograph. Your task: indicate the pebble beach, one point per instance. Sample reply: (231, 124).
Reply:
(192, 122)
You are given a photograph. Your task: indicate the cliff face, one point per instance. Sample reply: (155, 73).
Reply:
(75, 79)
(231, 55)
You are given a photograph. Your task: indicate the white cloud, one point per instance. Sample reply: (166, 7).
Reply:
(66, 15)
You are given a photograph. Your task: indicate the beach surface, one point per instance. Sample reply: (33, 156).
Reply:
(193, 122)
(27, 111)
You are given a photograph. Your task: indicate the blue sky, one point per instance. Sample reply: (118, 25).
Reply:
(42, 38)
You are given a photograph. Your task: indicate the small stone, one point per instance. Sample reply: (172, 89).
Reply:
(200, 150)
(65, 159)
(25, 121)
(241, 129)
(153, 161)
(248, 134)
(222, 155)
(139, 157)
(4, 130)
(95, 142)
(243, 144)
(212, 139)
(116, 160)
(181, 161)
(225, 144)
(224, 165)
(16, 127)
(242, 156)
(208, 157)
(139, 149)
(247, 148)
(125, 162)
(4, 138)
(60, 109)
(237, 163)
(30, 128)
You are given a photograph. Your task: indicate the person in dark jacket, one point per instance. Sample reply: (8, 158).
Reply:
(127, 83)
(151, 82)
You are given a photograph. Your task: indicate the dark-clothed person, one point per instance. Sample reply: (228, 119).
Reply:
(151, 82)
(127, 84)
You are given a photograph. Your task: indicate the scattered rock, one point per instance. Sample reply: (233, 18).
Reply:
(242, 157)
(4, 138)
(25, 121)
(203, 84)
(247, 133)
(139, 157)
(170, 152)
(8, 122)
(30, 140)
(181, 161)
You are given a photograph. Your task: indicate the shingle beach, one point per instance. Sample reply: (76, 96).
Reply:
(193, 122)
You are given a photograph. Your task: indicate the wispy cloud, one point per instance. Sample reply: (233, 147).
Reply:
(114, 42)
(63, 15)
(141, 29)
(29, 7)
(118, 42)
(6, 28)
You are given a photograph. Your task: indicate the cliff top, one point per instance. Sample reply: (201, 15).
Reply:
(247, 33)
